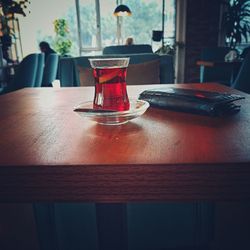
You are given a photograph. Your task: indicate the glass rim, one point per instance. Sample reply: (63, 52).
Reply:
(110, 62)
(109, 59)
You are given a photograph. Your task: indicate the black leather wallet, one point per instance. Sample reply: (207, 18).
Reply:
(192, 101)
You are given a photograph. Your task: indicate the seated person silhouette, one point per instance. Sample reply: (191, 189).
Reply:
(46, 49)
(129, 41)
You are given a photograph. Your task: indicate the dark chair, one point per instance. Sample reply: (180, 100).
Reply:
(214, 53)
(127, 49)
(221, 73)
(40, 68)
(71, 69)
(50, 70)
(25, 74)
(242, 80)
(66, 226)
(245, 52)
(140, 226)
(170, 225)
(67, 72)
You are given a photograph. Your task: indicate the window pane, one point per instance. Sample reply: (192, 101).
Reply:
(169, 26)
(88, 23)
(108, 22)
(146, 16)
(38, 24)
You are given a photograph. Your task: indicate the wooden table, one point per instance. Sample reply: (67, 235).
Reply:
(49, 153)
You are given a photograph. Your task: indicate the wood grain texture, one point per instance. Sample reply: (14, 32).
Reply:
(49, 153)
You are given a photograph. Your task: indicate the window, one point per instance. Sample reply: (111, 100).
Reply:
(95, 23)
(146, 16)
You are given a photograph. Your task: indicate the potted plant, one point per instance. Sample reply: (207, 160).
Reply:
(236, 22)
(62, 43)
(167, 49)
(10, 7)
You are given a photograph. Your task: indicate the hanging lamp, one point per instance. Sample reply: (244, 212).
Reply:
(122, 10)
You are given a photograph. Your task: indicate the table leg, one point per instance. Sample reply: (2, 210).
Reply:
(234, 72)
(112, 226)
(202, 68)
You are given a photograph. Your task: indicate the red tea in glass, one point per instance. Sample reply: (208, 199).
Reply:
(110, 83)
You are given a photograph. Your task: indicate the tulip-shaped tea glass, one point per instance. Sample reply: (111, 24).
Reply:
(110, 83)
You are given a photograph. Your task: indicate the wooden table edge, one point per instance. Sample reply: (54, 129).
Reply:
(125, 183)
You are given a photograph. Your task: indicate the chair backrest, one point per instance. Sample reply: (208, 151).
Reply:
(67, 71)
(219, 74)
(245, 52)
(25, 74)
(214, 53)
(71, 69)
(128, 49)
(50, 70)
(242, 80)
(39, 72)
